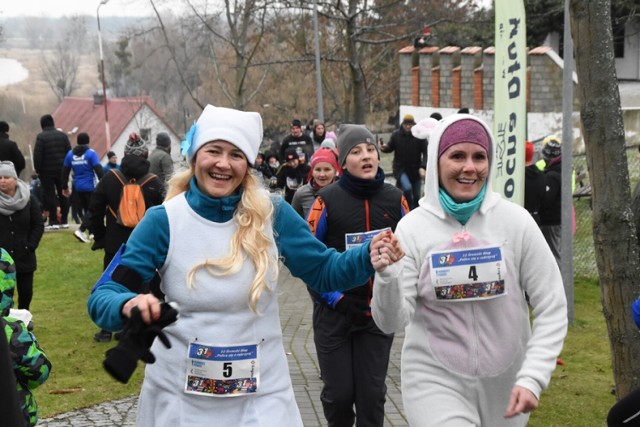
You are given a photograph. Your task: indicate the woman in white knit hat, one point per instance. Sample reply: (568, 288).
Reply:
(216, 242)
(471, 357)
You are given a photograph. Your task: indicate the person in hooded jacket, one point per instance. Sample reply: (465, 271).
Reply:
(353, 353)
(86, 168)
(21, 229)
(106, 198)
(30, 364)
(471, 355)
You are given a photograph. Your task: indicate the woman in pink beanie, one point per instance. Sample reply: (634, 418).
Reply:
(471, 355)
(324, 171)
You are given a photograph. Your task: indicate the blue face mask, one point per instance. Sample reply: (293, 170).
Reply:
(461, 211)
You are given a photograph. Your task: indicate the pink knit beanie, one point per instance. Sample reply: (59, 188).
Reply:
(464, 130)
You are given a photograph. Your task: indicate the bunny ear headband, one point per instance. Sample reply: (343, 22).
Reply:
(423, 129)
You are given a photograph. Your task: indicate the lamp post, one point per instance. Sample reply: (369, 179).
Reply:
(107, 128)
(318, 71)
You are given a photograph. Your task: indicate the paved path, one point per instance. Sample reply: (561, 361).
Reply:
(295, 314)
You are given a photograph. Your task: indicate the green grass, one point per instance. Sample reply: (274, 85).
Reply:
(580, 391)
(579, 395)
(67, 269)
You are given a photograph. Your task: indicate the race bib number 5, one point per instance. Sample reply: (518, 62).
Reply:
(222, 371)
(468, 274)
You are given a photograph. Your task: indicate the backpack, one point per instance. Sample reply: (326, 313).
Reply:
(132, 206)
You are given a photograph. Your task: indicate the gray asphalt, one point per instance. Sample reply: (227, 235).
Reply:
(295, 315)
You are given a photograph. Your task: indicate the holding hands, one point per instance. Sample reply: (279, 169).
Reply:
(385, 250)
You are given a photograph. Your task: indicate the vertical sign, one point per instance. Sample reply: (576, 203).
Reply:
(510, 103)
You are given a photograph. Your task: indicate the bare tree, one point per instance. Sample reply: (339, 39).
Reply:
(60, 68)
(614, 233)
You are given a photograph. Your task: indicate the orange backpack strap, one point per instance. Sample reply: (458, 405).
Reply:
(119, 175)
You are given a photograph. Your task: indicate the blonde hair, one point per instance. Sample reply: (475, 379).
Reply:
(253, 214)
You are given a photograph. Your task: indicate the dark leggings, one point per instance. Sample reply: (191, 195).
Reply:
(626, 413)
(25, 289)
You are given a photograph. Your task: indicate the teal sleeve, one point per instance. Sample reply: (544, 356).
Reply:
(322, 269)
(146, 251)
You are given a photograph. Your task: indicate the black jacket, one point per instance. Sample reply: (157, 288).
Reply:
(550, 212)
(51, 147)
(20, 235)
(534, 191)
(108, 193)
(9, 151)
(410, 154)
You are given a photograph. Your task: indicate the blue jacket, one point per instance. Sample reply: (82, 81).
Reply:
(635, 308)
(323, 269)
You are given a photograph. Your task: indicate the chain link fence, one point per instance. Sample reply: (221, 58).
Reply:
(584, 261)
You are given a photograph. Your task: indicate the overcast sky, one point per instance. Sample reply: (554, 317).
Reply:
(55, 8)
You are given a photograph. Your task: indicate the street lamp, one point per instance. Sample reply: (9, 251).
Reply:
(104, 88)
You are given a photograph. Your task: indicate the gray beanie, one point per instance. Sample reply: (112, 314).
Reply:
(349, 137)
(163, 140)
(8, 169)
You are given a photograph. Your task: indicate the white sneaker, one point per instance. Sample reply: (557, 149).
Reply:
(52, 227)
(64, 226)
(81, 236)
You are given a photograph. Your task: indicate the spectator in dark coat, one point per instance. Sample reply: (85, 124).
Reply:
(21, 229)
(534, 185)
(160, 158)
(51, 147)
(409, 160)
(9, 149)
(106, 198)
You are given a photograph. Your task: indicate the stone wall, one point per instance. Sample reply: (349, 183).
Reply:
(454, 78)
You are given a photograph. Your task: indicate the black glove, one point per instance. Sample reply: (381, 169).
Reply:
(135, 341)
(356, 309)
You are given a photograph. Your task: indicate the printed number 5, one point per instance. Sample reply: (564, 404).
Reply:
(473, 275)
(227, 370)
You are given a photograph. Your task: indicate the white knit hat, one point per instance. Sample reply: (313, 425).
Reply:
(240, 128)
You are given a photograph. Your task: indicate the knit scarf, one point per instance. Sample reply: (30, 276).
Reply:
(361, 188)
(461, 211)
(9, 205)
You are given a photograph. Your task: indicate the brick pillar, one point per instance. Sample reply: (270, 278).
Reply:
(488, 63)
(470, 60)
(449, 59)
(406, 81)
(455, 87)
(415, 86)
(435, 87)
(428, 58)
(478, 88)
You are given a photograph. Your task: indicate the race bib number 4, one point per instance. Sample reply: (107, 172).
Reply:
(468, 274)
(222, 371)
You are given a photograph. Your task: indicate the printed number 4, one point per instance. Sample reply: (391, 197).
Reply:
(227, 370)
(473, 275)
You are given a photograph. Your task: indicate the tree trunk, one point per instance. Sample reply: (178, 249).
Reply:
(614, 233)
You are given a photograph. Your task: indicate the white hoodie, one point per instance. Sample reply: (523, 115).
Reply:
(476, 337)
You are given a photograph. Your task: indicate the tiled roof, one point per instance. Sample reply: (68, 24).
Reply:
(83, 115)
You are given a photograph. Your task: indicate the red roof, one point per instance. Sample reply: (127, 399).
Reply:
(83, 115)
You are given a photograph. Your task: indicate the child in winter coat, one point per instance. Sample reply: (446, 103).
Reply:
(30, 365)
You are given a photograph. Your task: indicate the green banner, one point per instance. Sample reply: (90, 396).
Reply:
(510, 99)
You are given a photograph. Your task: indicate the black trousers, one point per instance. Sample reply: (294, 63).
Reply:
(353, 364)
(626, 413)
(53, 197)
(84, 199)
(24, 283)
